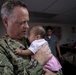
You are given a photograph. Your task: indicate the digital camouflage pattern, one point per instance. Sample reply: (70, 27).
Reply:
(59, 72)
(11, 64)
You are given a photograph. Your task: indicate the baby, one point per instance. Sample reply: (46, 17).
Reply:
(36, 38)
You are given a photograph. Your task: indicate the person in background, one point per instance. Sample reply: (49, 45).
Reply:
(52, 39)
(36, 38)
(15, 17)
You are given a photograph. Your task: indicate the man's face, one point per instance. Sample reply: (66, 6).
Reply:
(49, 32)
(17, 24)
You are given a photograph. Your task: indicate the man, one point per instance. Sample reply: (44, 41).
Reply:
(15, 17)
(52, 41)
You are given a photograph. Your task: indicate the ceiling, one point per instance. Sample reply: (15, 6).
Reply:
(56, 11)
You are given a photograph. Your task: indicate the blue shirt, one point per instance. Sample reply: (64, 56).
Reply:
(53, 40)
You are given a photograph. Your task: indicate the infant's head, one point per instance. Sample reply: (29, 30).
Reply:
(35, 33)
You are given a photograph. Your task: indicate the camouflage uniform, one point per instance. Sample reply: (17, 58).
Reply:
(11, 64)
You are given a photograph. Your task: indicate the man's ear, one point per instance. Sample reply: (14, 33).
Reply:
(5, 22)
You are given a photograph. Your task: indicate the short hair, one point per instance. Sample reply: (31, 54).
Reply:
(38, 30)
(49, 27)
(9, 5)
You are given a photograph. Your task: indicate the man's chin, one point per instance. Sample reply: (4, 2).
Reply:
(23, 36)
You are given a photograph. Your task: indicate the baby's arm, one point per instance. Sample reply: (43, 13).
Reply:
(23, 52)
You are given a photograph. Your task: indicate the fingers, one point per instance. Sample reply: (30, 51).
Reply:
(45, 46)
(16, 51)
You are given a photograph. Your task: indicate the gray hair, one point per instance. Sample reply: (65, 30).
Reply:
(8, 7)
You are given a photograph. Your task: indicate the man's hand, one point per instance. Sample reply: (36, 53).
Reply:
(43, 55)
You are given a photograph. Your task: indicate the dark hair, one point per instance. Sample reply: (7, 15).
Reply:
(38, 30)
(9, 5)
(49, 27)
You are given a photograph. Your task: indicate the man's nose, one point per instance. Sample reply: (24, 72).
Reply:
(26, 25)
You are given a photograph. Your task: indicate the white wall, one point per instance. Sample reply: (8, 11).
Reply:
(66, 31)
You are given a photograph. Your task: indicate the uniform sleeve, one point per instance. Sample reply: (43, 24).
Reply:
(24, 65)
(6, 67)
(34, 68)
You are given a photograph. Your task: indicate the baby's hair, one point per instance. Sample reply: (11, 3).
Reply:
(38, 30)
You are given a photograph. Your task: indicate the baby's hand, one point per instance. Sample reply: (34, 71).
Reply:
(18, 51)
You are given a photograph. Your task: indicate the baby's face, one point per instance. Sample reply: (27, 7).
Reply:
(31, 37)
